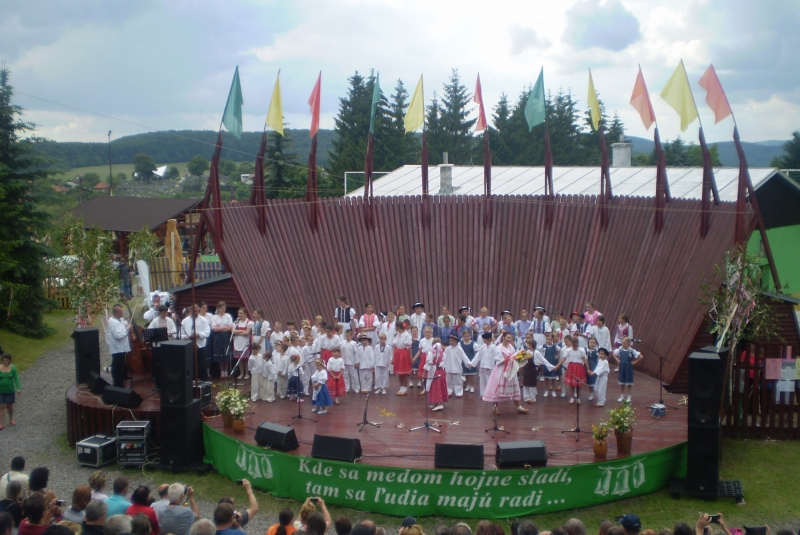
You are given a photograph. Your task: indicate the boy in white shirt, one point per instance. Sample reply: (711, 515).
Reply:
(282, 365)
(383, 359)
(485, 360)
(601, 372)
(306, 357)
(270, 373)
(255, 367)
(365, 362)
(348, 351)
(602, 334)
(454, 356)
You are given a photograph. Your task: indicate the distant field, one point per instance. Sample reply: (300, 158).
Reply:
(102, 170)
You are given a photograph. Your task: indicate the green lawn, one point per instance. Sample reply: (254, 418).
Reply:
(102, 170)
(26, 350)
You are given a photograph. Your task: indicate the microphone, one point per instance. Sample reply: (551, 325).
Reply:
(635, 340)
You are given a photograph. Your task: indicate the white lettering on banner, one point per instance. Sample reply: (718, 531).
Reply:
(256, 464)
(621, 477)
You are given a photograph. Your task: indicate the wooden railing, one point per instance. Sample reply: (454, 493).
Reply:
(162, 275)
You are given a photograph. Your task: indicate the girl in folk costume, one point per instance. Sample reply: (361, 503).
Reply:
(466, 314)
(600, 373)
(580, 329)
(365, 362)
(328, 343)
(318, 328)
(320, 397)
(401, 313)
(507, 324)
(503, 384)
(255, 366)
(242, 330)
(454, 361)
(383, 359)
(430, 322)
(306, 357)
(261, 329)
(485, 319)
(348, 351)
(575, 360)
(540, 327)
(345, 314)
(221, 327)
(369, 324)
(414, 350)
(294, 370)
(551, 355)
(335, 369)
(592, 357)
(388, 329)
(555, 325)
(425, 347)
(447, 329)
(281, 364)
(562, 332)
(591, 314)
(623, 329)
(522, 326)
(435, 377)
(276, 336)
(627, 357)
(485, 360)
(418, 317)
(531, 371)
(469, 348)
(269, 372)
(402, 356)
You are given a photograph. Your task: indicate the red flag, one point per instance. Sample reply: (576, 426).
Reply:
(478, 99)
(640, 100)
(715, 96)
(313, 102)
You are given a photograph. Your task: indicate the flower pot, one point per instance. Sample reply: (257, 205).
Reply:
(624, 441)
(600, 449)
(227, 420)
(238, 426)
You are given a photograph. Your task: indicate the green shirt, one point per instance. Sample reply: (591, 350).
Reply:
(9, 381)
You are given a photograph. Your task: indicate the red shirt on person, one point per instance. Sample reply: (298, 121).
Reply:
(135, 509)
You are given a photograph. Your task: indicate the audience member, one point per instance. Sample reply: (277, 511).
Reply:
(306, 510)
(317, 525)
(361, 529)
(682, 528)
(575, 527)
(140, 525)
(615, 530)
(605, 525)
(140, 503)
(527, 528)
(6, 524)
(118, 524)
(74, 527)
(12, 504)
(649, 532)
(223, 521)
(343, 526)
(481, 527)
(176, 518)
(98, 483)
(37, 481)
(461, 529)
(118, 503)
(631, 524)
(57, 529)
(442, 530)
(94, 518)
(494, 529)
(380, 530)
(515, 526)
(17, 473)
(408, 522)
(81, 497)
(283, 527)
(240, 519)
(37, 515)
(203, 527)
(162, 502)
(415, 529)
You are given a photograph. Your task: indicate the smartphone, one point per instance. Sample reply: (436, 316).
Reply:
(240, 481)
(314, 500)
(714, 519)
(760, 530)
(60, 503)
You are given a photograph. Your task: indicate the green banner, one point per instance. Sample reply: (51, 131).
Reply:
(453, 493)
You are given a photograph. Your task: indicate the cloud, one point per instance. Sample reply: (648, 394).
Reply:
(607, 25)
(524, 38)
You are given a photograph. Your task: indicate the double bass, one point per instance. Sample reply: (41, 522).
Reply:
(140, 358)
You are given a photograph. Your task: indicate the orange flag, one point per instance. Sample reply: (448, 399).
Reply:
(715, 96)
(313, 102)
(640, 100)
(478, 99)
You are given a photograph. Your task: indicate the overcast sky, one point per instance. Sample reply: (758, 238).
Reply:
(168, 64)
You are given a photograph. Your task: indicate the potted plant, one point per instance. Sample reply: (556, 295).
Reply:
(621, 420)
(226, 401)
(238, 408)
(599, 434)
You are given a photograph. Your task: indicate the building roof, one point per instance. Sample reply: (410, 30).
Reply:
(130, 214)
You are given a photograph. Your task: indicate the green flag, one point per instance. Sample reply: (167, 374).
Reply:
(534, 109)
(232, 117)
(376, 98)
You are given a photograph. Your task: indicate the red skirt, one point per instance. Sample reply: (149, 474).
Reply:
(438, 391)
(336, 384)
(421, 371)
(244, 355)
(326, 355)
(402, 361)
(576, 374)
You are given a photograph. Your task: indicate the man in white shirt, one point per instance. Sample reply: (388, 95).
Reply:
(15, 474)
(195, 327)
(152, 313)
(162, 321)
(118, 339)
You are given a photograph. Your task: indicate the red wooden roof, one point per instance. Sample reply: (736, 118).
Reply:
(293, 272)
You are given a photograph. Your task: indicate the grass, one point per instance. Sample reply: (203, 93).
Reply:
(26, 350)
(102, 170)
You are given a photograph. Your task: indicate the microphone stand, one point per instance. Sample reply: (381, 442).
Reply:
(300, 390)
(577, 428)
(232, 383)
(364, 422)
(427, 424)
(661, 360)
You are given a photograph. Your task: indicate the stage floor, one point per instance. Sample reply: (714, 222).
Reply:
(463, 421)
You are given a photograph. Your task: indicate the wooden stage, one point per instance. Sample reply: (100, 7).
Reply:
(463, 421)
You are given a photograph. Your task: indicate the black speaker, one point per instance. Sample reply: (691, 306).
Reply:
(521, 454)
(336, 448)
(182, 435)
(177, 372)
(96, 383)
(702, 460)
(87, 353)
(123, 397)
(278, 436)
(706, 376)
(468, 456)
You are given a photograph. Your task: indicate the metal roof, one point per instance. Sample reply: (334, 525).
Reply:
(684, 182)
(130, 214)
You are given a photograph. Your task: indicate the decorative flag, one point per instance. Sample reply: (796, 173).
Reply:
(640, 100)
(678, 94)
(232, 116)
(313, 103)
(594, 104)
(534, 109)
(415, 115)
(275, 113)
(715, 96)
(376, 98)
(478, 99)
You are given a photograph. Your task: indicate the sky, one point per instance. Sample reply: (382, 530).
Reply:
(82, 67)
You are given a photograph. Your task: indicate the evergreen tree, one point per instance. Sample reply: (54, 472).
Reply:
(352, 127)
(433, 127)
(790, 159)
(403, 148)
(287, 177)
(616, 129)
(22, 225)
(456, 130)
(500, 135)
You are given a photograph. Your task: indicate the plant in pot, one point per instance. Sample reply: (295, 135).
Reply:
(229, 402)
(238, 409)
(599, 434)
(621, 420)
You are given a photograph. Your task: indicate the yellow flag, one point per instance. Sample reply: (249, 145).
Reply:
(275, 113)
(594, 105)
(678, 94)
(415, 115)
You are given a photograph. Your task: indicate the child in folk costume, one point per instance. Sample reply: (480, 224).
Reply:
(600, 374)
(369, 324)
(592, 357)
(574, 362)
(276, 336)
(328, 343)
(307, 358)
(551, 353)
(580, 329)
(294, 388)
(430, 322)
(348, 351)
(531, 371)
(425, 347)
(261, 330)
(281, 364)
(627, 357)
(446, 329)
(485, 319)
(269, 372)
(470, 348)
(540, 328)
(503, 384)
(388, 329)
(417, 319)
(414, 350)
(402, 356)
(454, 361)
(365, 362)
(466, 314)
(401, 314)
(555, 325)
(591, 314)
(255, 366)
(485, 360)
(522, 326)
(335, 368)
(507, 324)
(242, 329)
(320, 397)
(601, 333)
(623, 329)
(436, 384)
(383, 359)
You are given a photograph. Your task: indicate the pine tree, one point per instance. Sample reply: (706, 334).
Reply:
(435, 132)
(616, 130)
(403, 148)
(457, 132)
(22, 225)
(500, 134)
(287, 177)
(352, 127)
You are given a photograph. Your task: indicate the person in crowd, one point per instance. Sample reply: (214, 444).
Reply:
(631, 525)
(503, 384)
(530, 373)
(446, 330)
(176, 518)
(580, 330)
(605, 525)
(627, 357)
(485, 319)
(255, 367)
(203, 526)
(261, 329)
(283, 527)
(345, 314)
(425, 347)
(415, 340)
(97, 482)
(336, 376)
(317, 525)
(365, 527)
(435, 377)
(12, 503)
(125, 280)
(94, 518)
(343, 526)
(37, 482)
(140, 525)
(159, 505)
(526, 528)
(540, 327)
(382, 354)
(550, 351)
(592, 357)
(365, 363)
(6, 524)
(16, 473)
(463, 529)
(402, 356)
(152, 313)
(601, 374)
(469, 347)
(591, 314)
(347, 350)
(417, 319)
(118, 339)
(117, 525)
(615, 530)
(37, 515)
(221, 327)
(81, 497)
(369, 323)
(407, 522)
(241, 519)
(484, 360)
(623, 329)
(522, 326)
(294, 370)
(270, 372)
(601, 333)
(328, 343)
(573, 360)
(455, 360)
(140, 503)
(195, 327)
(308, 508)
(281, 360)
(412, 530)
(242, 329)
(575, 527)
(320, 397)
(9, 388)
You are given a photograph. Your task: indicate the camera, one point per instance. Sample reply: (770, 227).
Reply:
(186, 489)
(714, 519)
(60, 503)
(240, 481)
(313, 500)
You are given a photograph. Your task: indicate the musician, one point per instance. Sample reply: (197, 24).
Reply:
(152, 313)
(162, 321)
(118, 334)
(195, 327)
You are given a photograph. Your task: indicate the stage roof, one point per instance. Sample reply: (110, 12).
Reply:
(130, 214)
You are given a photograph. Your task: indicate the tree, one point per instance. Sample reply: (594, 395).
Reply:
(144, 165)
(227, 168)
(500, 135)
(246, 168)
(404, 148)
(790, 159)
(433, 128)
(352, 128)
(456, 129)
(287, 177)
(173, 172)
(22, 225)
(90, 180)
(197, 166)
(616, 130)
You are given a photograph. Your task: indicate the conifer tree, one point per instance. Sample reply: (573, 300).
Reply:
(403, 148)
(456, 128)
(287, 176)
(435, 132)
(352, 127)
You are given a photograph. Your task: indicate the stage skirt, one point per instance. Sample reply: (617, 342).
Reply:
(336, 384)
(322, 398)
(326, 354)
(295, 387)
(402, 361)
(244, 354)
(219, 343)
(498, 388)
(438, 390)
(421, 371)
(468, 371)
(552, 374)
(591, 379)
(530, 374)
(576, 374)
(626, 373)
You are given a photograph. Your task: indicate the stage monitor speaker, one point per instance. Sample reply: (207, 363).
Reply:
(702, 460)
(122, 397)
(706, 375)
(521, 454)
(87, 354)
(277, 436)
(469, 456)
(182, 435)
(177, 372)
(336, 448)
(96, 383)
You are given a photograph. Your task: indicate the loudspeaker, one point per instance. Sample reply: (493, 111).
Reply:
(177, 372)
(702, 460)
(123, 397)
(278, 436)
(706, 375)
(87, 353)
(96, 383)
(459, 456)
(182, 435)
(521, 454)
(336, 448)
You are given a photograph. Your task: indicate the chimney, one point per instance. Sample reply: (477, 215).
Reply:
(621, 153)
(445, 176)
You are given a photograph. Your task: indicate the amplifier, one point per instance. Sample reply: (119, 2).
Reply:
(96, 451)
(133, 429)
(202, 391)
(132, 452)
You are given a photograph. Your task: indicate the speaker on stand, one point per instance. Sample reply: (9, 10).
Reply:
(87, 354)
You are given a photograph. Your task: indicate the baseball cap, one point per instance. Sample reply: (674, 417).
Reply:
(409, 521)
(630, 522)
